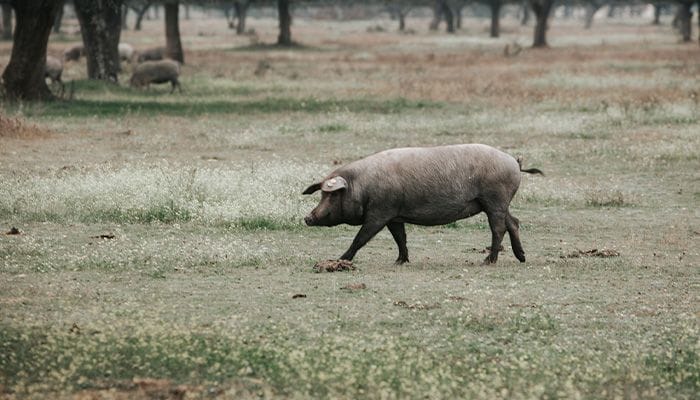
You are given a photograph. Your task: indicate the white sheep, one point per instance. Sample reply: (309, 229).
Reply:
(126, 52)
(161, 71)
(53, 70)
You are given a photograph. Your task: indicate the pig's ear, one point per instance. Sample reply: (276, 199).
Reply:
(333, 184)
(312, 188)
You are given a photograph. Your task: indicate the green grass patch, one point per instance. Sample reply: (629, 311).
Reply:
(266, 223)
(183, 106)
(333, 128)
(483, 364)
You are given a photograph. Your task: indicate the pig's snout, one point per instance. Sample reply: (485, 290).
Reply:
(310, 220)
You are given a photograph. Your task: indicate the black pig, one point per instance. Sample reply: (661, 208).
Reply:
(423, 186)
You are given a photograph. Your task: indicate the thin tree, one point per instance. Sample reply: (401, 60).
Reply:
(495, 6)
(240, 8)
(542, 9)
(23, 78)
(173, 44)
(140, 8)
(285, 23)
(684, 16)
(592, 7)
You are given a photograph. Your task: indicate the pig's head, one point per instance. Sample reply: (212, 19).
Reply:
(329, 211)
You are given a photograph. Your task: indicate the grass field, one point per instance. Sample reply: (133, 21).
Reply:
(162, 252)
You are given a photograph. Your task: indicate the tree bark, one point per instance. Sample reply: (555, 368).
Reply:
(100, 27)
(285, 20)
(6, 21)
(495, 6)
(23, 77)
(173, 44)
(542, 9)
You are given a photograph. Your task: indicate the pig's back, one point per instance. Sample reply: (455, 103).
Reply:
(433, 185)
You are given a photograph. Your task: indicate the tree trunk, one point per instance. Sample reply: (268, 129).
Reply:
(241, 9)
(58, 19)
(458, 15)
(449, 16)
(591, 9)
(495, 17)
(402, 20)
(657, 14)
(173, 44)
(6, 21)
(285, 19)
(140, 13)
(100, 27)
(23, 77)
(525, 18)
(542, 9)
(437, 15)
(685, 16)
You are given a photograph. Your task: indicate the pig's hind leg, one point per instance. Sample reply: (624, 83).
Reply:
(398, 231)
(513, 225)
(497, 222)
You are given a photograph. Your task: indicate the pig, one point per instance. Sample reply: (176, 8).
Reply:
(422, 186)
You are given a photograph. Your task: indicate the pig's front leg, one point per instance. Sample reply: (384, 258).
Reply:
(367, 232)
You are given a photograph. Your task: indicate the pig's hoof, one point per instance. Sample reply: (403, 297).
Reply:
(400, 261)
(333, 266)
(488, 261)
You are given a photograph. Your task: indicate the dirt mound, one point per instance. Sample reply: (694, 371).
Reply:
(333, 266)
(603, 253)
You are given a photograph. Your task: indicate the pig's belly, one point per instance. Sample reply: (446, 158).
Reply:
(438, 214)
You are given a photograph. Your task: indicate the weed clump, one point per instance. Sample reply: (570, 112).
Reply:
(606, 199)
(17, 128)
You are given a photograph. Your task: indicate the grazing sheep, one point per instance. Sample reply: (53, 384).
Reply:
(152, 54)
(126, 52)
(74, 53)
(161, 71)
